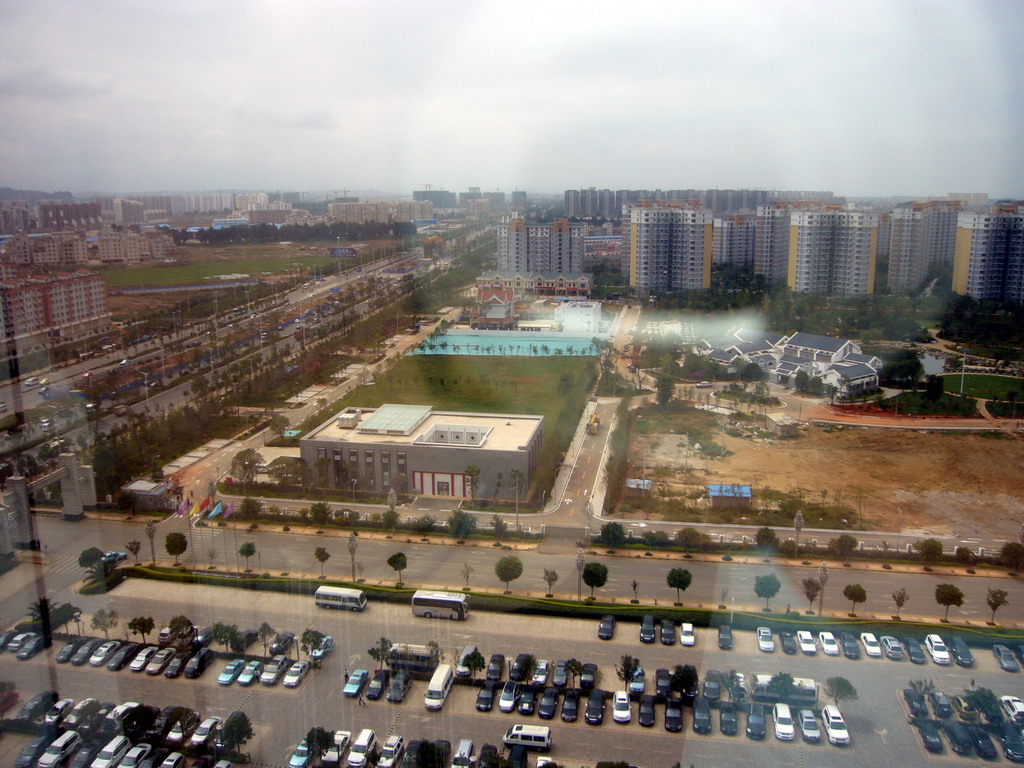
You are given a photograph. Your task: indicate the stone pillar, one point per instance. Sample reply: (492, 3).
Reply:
(16, 499)
(77, 487)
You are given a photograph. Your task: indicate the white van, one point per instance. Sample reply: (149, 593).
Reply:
(112, 753)
(464, 757)
(60, 750)
(529, 736)
(437, 690)
(362, 748)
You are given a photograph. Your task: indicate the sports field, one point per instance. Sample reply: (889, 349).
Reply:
(983, 385)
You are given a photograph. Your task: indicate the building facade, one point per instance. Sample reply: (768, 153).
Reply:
(416, 449)
(669, 247)
(733, 240)
(557, 247)
(832, 251)
(36, 310)
(921, 235)
(989, 254)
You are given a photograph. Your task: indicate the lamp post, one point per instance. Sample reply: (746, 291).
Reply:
(353, 544)
(579, 574)
(352, 483)
(798, 525)
(822, 580)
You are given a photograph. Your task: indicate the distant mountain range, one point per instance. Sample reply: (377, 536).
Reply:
(33, 196)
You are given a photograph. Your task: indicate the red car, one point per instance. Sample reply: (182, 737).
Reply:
(7, 700)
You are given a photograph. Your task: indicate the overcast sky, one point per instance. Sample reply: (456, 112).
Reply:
(860, 98)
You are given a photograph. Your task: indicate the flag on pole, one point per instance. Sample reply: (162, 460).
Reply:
(216, 511)
(230, 511)
(182, 507)
(204, 504)
(194, 511)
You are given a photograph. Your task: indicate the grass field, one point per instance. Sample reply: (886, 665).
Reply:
(983, 385)
(197, 272)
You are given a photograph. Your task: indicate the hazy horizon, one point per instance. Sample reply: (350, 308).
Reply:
(865, 101)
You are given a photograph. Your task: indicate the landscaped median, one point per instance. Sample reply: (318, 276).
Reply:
(537, 606)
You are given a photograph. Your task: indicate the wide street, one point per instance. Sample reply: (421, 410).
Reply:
(877, 720)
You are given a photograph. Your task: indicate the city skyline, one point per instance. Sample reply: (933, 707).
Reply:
(898, 99)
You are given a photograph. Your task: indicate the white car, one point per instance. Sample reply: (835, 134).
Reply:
(135, 756)
(871, 646)
(621, 710)
(784, 728)
(392, 752)
(143, 658)
(829, 646)
(937, 650)
(765, 640)
(296, 674)
(809, 726)
(806, 642)
(540, 672)
(1013, 707)
(205, 731)
(686, 635)
(835, 726)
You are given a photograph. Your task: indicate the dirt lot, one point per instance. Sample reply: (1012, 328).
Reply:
(944, 483)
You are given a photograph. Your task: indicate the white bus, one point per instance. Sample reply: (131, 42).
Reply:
(440, 605)
(339, 597)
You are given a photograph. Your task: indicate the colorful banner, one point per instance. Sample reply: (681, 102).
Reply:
(216, 511)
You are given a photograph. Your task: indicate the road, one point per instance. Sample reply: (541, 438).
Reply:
(877, 720)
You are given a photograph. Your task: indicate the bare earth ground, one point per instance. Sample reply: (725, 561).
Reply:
(944, 483)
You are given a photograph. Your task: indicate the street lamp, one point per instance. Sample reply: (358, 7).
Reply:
(353, 544)
(579, 574)
(822, 581)
(352, 483)
(798, 525)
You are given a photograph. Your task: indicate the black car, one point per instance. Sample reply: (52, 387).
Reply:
(713, 686)
(36, 708)
(959, 650)
(163, 723)
(518, 672)
(982, 743)
(6, 637)
(701, 715)
(788, 642)
(914, 650)
(195, 666)
(35, 748)
(495, 667)
(1003, 656)
(81, 656)
(728, 722)
(959, 739)
(647, 633)
(202, 638)
(674, 715)
(560, 674)
(243, 640)
(488, 757)
(668, 632)
(123, 656)
(378, 684)
(135, 724)
(282, 643)
(1018, 651)
(177, 664)
(85, 756)
(517, 756)
(940, 704)
(588, 677)
(606, 629)
(915, 702)
(443, 751)
(403, 679)
(31, 647)
(756, 721)
(1013, 744)
(595, 707)
(527, 701)
(930, 737)
(851, 649)
(570, 706)
(662, 682)
(548, 705)
(646, 716)
(485, 696)
(68, 650)
(725, 637)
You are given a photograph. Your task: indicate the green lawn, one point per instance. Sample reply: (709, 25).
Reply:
(983, 385)
(196, 272)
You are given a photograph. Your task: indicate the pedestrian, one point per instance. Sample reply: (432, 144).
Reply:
(362, 701)
(346, 677)
(972, 682)
(787, 609)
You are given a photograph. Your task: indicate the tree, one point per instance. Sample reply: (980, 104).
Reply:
(461, 523)
(985, 701)
(104, 620)
(381, 651)
(175, 543)
(947, 595)
(243, 466)
(475, 662)
(322, 556)
(996, 599)
(353, 544)
(180, 629)
(508, 568)
(247, 550)
(684, 679)
(472, 471)
(627, 668)
(237, 730)
(575, 668)
(141, 625)
(134, 546)
(318, 741)
(932, 388)
(855, 594)
(550, 577)
(266, 633)
(1012, 555)
(319, 514)
(843, 546)
(310, 640)
(664, 389)
(767, 586)
(250, 508)
(812, 588)
(679, 579)
(612, 535)
(782, 685)
(466, 571)
(899, 599)
(289, 470)
(500, 527)
(389, 519)
(691, 538)
(91, 560)
(278, 425)
(767, 540)
(839, 689)
(225, 634)
(595, 576)
(929, 550)
(151, 534)
(398, 562)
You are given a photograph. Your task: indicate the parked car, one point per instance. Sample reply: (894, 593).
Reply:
(829, 644)
(668, 632)
(160, 660)
(195, 666)
(570, 706)
(914, 650)
(622, 711)
(606, 629)
(647, 632)
(273, 671)
(765, 640)
(701, 715)
(785, 729)
(509, 698)
(872, 648)
(756, 721)
(35, 709)
(788, 642)
(805, 640)
(31, 647)
(185, 724)
(282, 643)
(588, 677)
(548, 706)
(835, 726)
(713, 685)
(959, 738)
(937, 650)
(231, 671)
(124, 656)
(296, 674)
(674, 715)
(929, 733)
(1013, 708)
(851, 649)
(540, 672)
(809, 730)
(518, 672)
(687, 636)
(662, 682)
(177, 664)
(324, 647)
(728, 721)
(58, 711)
(32, 751)
(725, 637)
(527, 700)
(638, 682)
(982, 743)
(485, 696)
(960, 651)
(250, 673)
(963, 709)
(81, 656)
(400, 683)
(243, 640)
(892, 648)
(378, 684)
(1005, 659)
(392, 752)
(299, 757)
(1013, 745)
(81, 714)
(352, 688)
(68, 649)
(560, 674)
(915, 702)
(941, 706)
(595, 707)
(495, 667)
(645, 715)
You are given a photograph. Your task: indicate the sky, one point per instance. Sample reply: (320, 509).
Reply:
(877, 97)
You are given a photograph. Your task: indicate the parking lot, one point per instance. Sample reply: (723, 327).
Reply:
(877, 720)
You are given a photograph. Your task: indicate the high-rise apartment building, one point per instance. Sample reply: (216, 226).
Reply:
(669, 246)
(60, 215)
(128, 211)
(556, 247)
(921, 235)
(733, 240)
(439, 198)
(244, 199)
(832, 251)
(771, 242)
(37, 310)
(989, 260)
